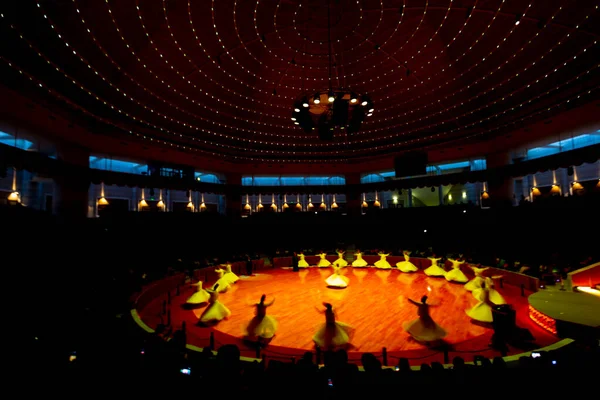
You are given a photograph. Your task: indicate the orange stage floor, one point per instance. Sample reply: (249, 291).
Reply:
(375, 304)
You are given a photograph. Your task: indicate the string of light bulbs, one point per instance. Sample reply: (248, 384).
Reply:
(265, 160)
(377, 147)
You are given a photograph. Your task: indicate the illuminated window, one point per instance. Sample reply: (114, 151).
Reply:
(207, 177)
(292, 180)
(109, 164)
(9, 140)
(576, 142)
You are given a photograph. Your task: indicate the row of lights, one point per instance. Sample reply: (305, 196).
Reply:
(267, 151)
(77, 106)
(544, 321)
(142, 204)
(298, 204)
(304, 39)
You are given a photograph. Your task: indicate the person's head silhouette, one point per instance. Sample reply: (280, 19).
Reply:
(424, 299)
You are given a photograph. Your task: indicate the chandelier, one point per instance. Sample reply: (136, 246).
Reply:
(331, 109)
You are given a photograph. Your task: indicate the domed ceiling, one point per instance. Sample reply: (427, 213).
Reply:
(221, 77)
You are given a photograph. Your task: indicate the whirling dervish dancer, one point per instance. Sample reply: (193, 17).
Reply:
(222, 283)
(476, 282)
(230, 275)
(323, 262)
(337, 280)
(434, 270)
(495, 297)
(482, 311)
(302, 262)
(201, 296)
(340, 262)
(215, 311)
(455, 274)
(382, 263)
(424, 328)
(406, 265)
(332, 334)
(359, 262)
(262, 326)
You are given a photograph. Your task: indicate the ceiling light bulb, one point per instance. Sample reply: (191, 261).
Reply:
(331, 99)
(304, 105)
(296, 109)
(353, 101)
(364, 103)
(317, 101)
(368, 115)
(371, 110)
(293, 119)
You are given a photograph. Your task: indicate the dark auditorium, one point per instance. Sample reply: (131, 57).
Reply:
(325, 199)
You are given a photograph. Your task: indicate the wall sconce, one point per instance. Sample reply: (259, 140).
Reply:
(14, 196)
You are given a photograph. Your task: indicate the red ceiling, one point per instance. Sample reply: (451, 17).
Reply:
(219, 78)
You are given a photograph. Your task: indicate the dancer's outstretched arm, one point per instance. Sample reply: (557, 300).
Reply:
(414, 302)
(270, 303)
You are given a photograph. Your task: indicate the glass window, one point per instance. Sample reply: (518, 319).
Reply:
(573, 143)
(9, 140)
(109, 164)
(207, 177)
(292, 180)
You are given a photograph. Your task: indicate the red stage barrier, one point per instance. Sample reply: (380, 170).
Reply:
(282, 262)
(588, 276)
(515, 279)
(157, 289)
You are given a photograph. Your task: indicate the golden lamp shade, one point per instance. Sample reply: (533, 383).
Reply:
(247, 207)
(102, 201)
(285, 205)
(310, 206)
(202, 206)
(259, 206)
(377, 203)
(577, 186)
(322, 206)
(598, 184)
(364, 204)
(298, 206)
(555, 189)
(485, 195)
(14, 196)
(274, 207)
(334, 205)
(535, 192)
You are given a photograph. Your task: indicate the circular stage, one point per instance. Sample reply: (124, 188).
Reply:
(375, 303)
(572, 307)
